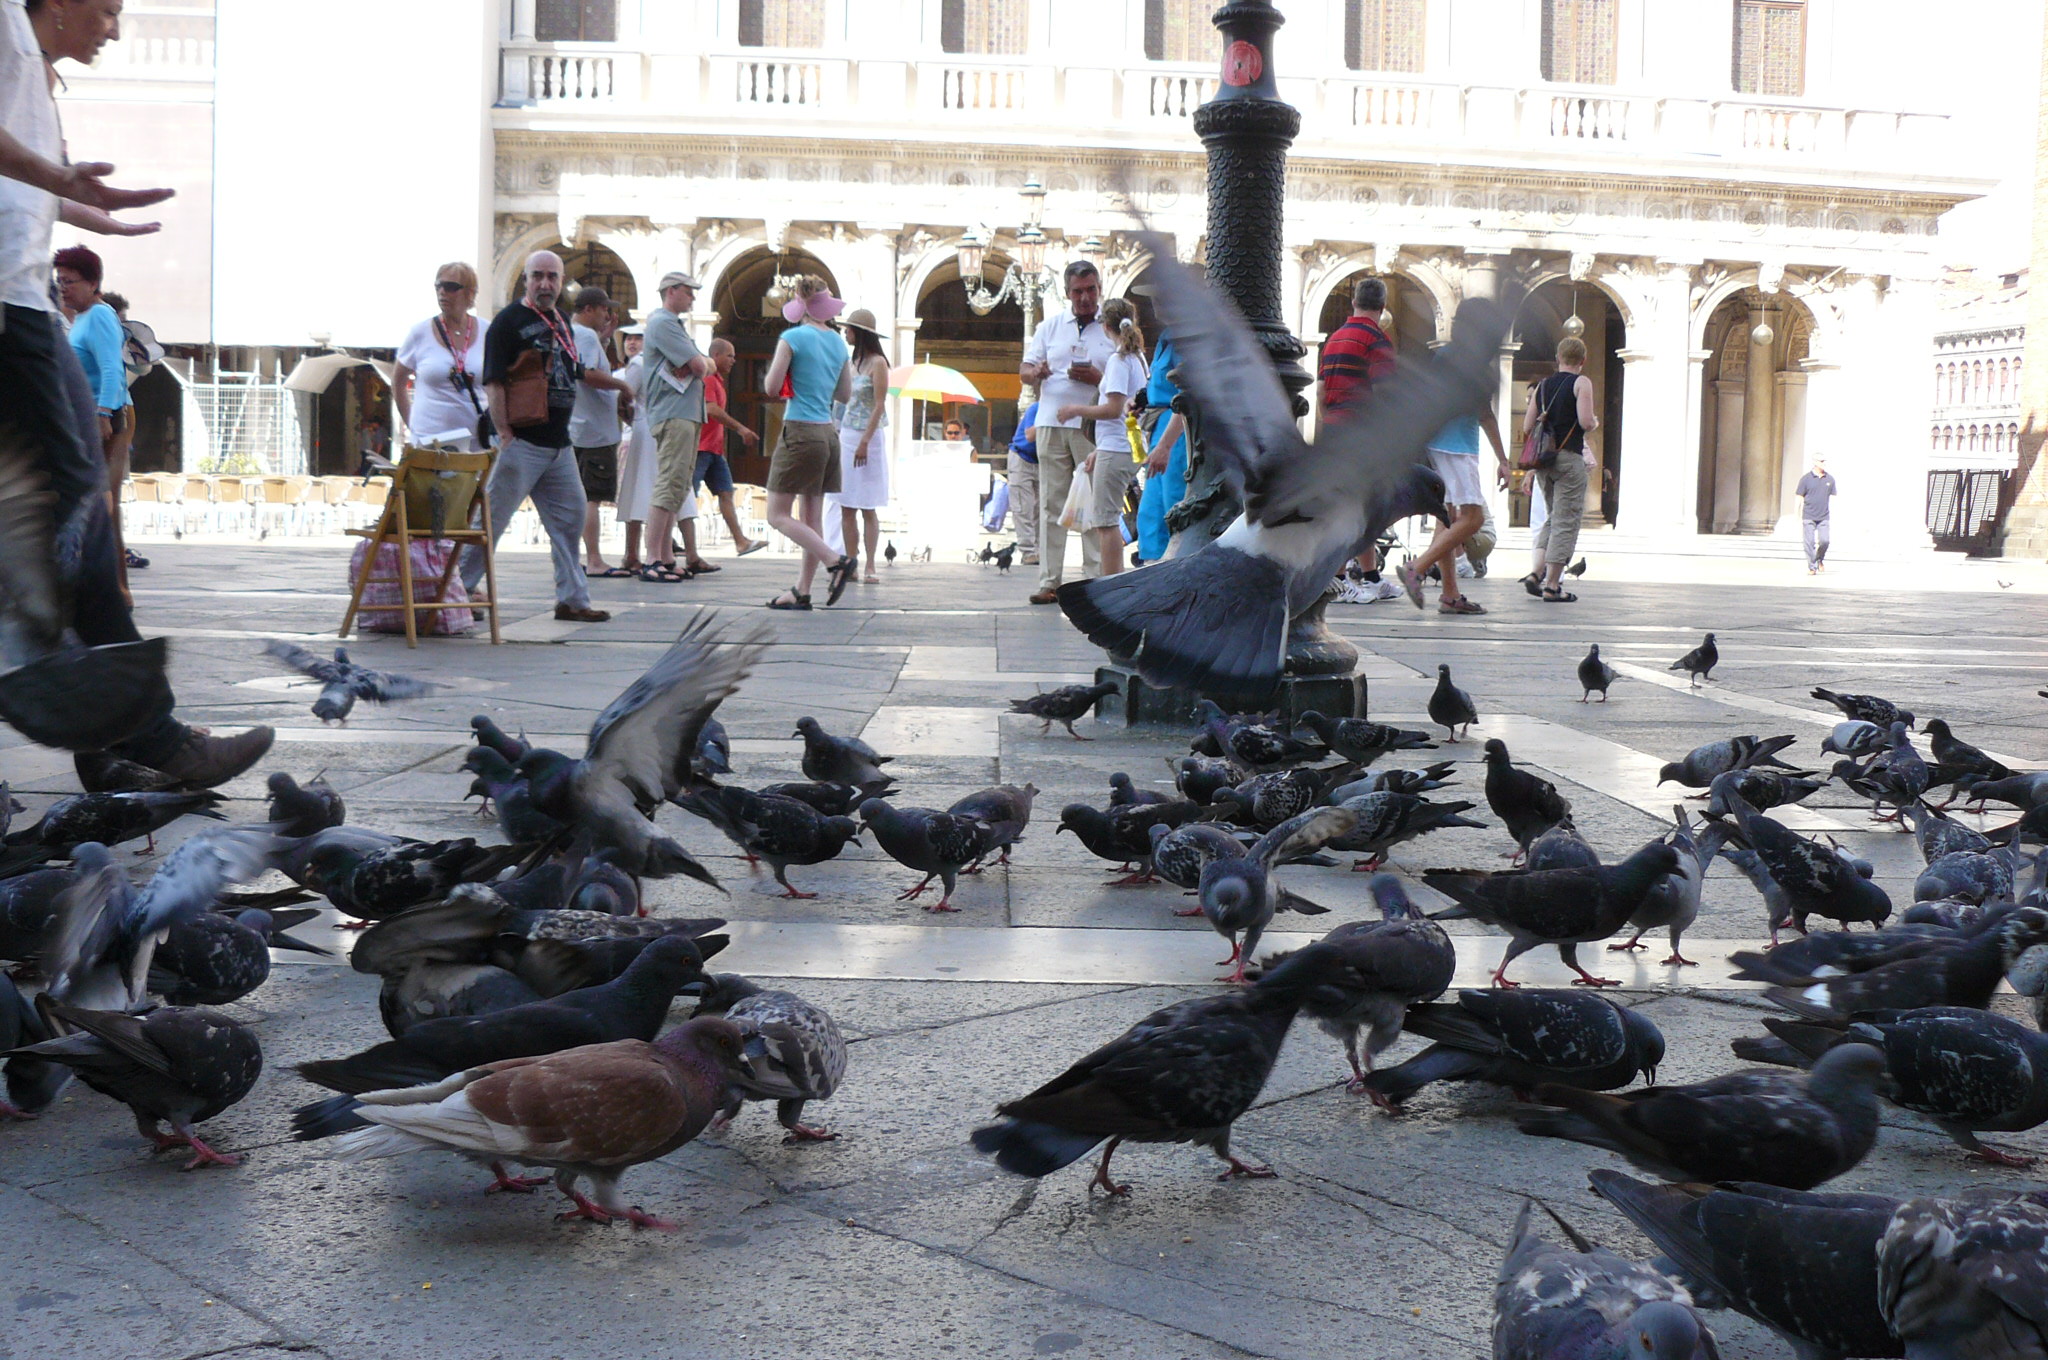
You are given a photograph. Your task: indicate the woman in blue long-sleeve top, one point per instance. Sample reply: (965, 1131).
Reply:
(100, 341)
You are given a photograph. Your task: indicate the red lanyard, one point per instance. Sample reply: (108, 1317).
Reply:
(562, 336)
(458, 362)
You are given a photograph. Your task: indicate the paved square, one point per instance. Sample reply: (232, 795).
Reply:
(1380, 1238)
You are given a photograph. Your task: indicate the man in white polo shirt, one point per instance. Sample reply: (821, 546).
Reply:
(1064, 361)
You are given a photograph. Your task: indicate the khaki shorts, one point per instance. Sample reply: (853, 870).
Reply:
(675, 462)
(1113, 475)
(806, 460)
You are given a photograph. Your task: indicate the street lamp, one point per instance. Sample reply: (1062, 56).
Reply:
(1025, 279)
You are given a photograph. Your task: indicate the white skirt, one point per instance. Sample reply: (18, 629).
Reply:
(1460, 472)
(863, 486)
(636, 473)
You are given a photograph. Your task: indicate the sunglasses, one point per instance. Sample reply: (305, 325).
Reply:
(448, 286)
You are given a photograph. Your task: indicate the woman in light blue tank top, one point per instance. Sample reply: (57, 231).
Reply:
(805, 464)
(1454, 454)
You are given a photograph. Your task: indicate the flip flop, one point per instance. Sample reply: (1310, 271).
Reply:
(608, 573)
(701, 568)
(751, 548)
(659, 574)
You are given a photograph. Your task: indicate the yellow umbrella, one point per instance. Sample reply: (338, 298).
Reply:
(931, 382)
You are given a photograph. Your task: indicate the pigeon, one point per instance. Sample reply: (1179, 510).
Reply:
(342, 682)
(373, 883)
(1699, 663)
(1897, 776)
(1577, 568)
(1388, 819)
(31, 1083)
(790, 1051)
(714, 751)
(1423, 780)
(2026, 791)
(296, 811)
(1363, 742)
(490, 734)
(1201, 778)
(28, 903)
(1123, 793)
(1527, 804)
(1523, 1039)
(1065, 706)
(1855, 739)
(1958, 757)
(1238, 893)
(103, 772)
(1123, 835)
(1181, 853)
(1006, 809)
(889, 552)
(1401, 960)
(1701, 765)
(1594, 674)
(53, 690)
(1266, 800)
(987, 554)
(1761, 789)
(2029, 977)
(600, 886)
(176, 1065)
(1561, 847)
(1866, 708)
(499, 782)
(1801, 1263)
(1005, 555)
(834, 800)
(106, 931)
(1586, 1303)
(214, 958)
(1967, 1070)
(1449, 706)
(1215, 620)
(1183, 1074)
(1564, 907)
(1965, 875)
(640, 748)
(1674, 904)
(1258, 745)
(1792, 1129)
(781, 831)
(1967, 1277)
(935, 844)
(590, 1113)
(1799, 877)
(111, 819)
(1965, 973)
(839, 760)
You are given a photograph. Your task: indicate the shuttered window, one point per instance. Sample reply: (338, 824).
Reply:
(986, 28)
(1770, 47)
(1180, 30)
(1383, 35)
(782, 23)
(1578, 41)
(576, 20)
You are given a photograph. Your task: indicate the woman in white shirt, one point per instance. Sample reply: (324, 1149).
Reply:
(1111, 468)
(443, 359)
(636, 452)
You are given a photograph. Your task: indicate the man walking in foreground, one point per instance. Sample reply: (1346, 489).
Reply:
(1816, 489)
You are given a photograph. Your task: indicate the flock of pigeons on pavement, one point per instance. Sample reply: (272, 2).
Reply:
(526, 989)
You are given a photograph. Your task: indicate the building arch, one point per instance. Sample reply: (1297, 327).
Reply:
(747, 295)
(1747, 465)
(1544, 317)
(510, 260)
(987, 348)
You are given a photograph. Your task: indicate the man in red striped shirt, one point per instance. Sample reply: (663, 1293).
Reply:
(1358, 353)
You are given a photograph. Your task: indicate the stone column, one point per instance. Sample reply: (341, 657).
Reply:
(1724, 513)
(1759, 428)
(1698, 489)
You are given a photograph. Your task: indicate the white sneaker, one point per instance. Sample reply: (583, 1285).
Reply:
(1465, 572)
(1387, 590)
(1354, 592)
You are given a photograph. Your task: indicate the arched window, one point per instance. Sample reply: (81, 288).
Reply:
(1770, 47)
(2004, 381)
(1383, 35)
(1953, 392)
(1948, 437)
(1578, 41)
(576, 20)
(1180, 30)
(1977, 383)
(2016, 378)
(782, 23)
(983, 27)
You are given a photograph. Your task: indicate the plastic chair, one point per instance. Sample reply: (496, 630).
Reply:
(442, 499)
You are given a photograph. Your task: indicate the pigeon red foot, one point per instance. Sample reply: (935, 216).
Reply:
(1246, 1171)
(511, 1184)
(805, 1133)
(1102, 1179)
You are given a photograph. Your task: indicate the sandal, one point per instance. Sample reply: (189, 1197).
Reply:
(608, 573)
(701, 567)
(1411, 581)
(753, 547)
(1533, 584)
(871, 580)
(795, 601)
(1558, 597)
(661, 573)
(841, 573)
(1461, 605)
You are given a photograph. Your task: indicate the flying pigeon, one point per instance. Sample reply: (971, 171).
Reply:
(1216, 620)
(214, 958)
(342, 682)
(296, 811)
(1564, 907)
(1699, 663)
(1799, 1262)
(1449, 706)
(790, 1051)
(1527, 804)
(175, 1065)
(1238, 893)
(1798, 877)
(936, 844)
(640, 751)
(1363, 742)
(1065, 706)
(1523, 1039)
(1183, 1074)
(1792, 1129)
(1674, 904)
(590, 1113)
(1588, 1304)
(1594, 674)
(1703, 764)
(1866, 708)
(838, 760)
(1967, 1276)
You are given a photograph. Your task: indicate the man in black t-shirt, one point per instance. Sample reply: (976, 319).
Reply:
(529, 349)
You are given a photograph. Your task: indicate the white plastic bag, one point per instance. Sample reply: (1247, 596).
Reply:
(1080, 495)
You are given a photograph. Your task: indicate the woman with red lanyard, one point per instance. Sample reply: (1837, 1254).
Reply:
(436, 384)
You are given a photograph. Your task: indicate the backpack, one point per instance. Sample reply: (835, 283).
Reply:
(139, 350)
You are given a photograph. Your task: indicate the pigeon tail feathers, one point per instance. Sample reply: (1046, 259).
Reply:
(1025, 1147)
(1214, 621)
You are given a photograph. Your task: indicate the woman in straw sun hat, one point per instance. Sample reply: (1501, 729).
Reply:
(863, 450)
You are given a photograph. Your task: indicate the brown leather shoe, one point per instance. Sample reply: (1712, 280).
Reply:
(203, 760)
(1046, 597)
(569, 613)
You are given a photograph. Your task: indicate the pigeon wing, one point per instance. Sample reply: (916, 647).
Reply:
(384, 687)
(305, 663)
(645, 738)
(192, 876)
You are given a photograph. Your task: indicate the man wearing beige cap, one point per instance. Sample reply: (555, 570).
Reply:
(675, 412)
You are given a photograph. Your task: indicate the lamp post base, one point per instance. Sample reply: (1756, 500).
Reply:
(1139, 704)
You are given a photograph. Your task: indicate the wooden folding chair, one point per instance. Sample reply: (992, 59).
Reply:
(436, 494)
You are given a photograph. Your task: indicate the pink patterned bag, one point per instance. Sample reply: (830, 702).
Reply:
(429, 560)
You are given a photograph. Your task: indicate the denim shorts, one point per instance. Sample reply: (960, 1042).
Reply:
(712, 471)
